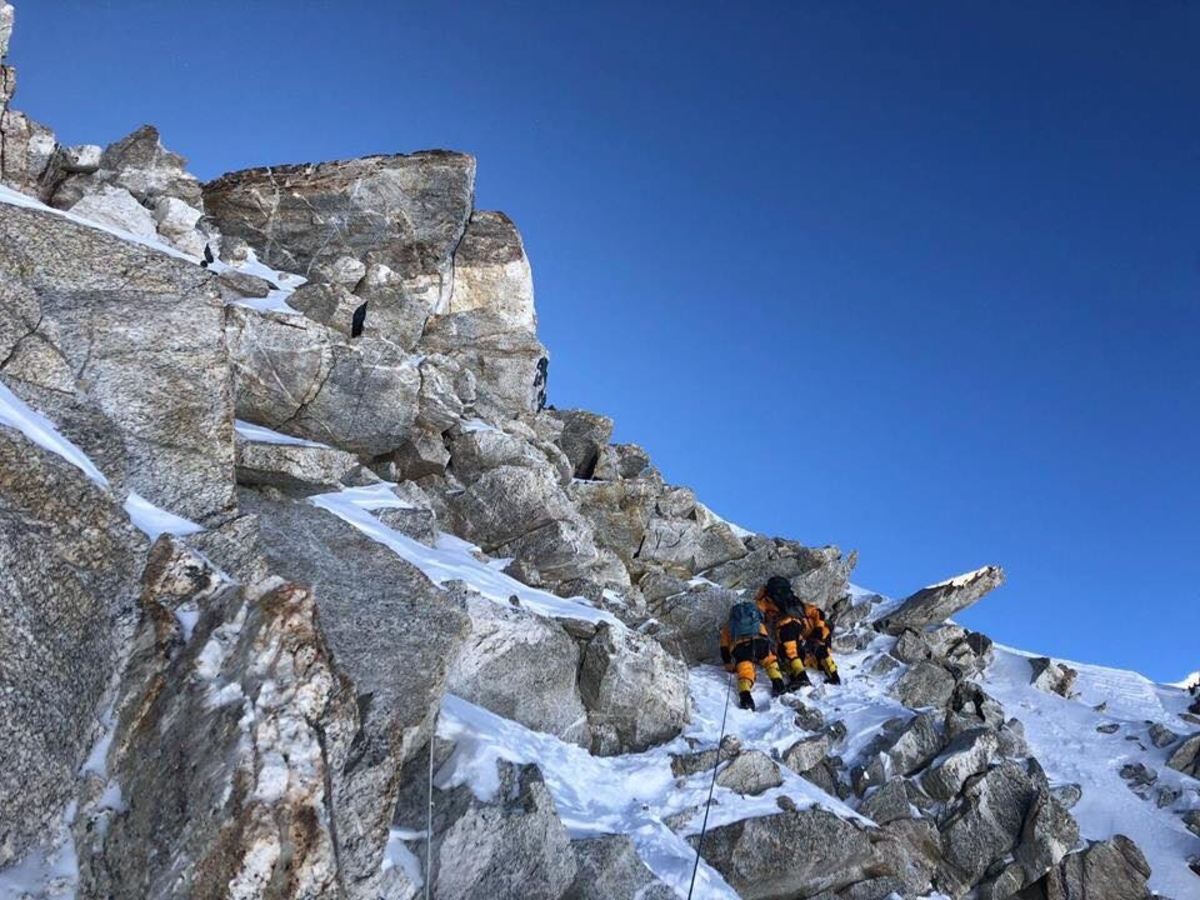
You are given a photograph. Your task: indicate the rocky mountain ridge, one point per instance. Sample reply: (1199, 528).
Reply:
(291, 546)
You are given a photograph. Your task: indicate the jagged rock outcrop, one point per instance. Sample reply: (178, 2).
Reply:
(123, 348)
(399, 216)
(1051, 676)
(394, 635)
(256, 724)
(934, 604)
(69, 569)
(1114, 869)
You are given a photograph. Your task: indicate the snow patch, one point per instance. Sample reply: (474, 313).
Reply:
(154, 521)
(397, 856)
(959, 580)
(16, 413)
(262, 435)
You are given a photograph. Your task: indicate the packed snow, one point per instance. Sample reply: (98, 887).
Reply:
(261, 435)
(1062, 735)
(153, 520)
(16, 413)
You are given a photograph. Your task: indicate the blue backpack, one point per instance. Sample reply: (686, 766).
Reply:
(745, 620)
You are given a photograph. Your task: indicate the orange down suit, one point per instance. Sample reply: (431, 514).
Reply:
(741, 655)
(802, 641)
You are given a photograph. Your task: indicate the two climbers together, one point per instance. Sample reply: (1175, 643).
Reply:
(776, 627)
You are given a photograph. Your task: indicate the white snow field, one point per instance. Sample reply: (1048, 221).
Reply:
(1062, 735)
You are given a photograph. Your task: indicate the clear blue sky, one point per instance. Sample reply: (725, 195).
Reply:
(917, 278)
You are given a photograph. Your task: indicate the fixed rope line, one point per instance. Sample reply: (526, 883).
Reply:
(429, 815)
(711, 786)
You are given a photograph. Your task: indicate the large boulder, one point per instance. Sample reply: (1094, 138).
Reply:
(140, 164)
(400, 216)
(688, 624)
(685, 547)
(609, 868)
(301, 378)
(967, 755)
(915, 744)
(1114, 869)
(116, 208)
(750, 773)
(301, 468)
(1005, 811)
(933, 605)
(1186, 757)
(808, 853)
(69, 569)
(924, 684)
(393, 634)
(251, 723)
(584, 434)
(522, 667)
(514, 847)
(126, 353)
(636, 694)
(475, 452)
(522, 512)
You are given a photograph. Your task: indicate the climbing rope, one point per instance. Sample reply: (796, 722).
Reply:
(711, 786)
(429, 814)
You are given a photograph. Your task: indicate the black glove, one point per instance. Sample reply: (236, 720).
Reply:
(746, 701)
(778, 688)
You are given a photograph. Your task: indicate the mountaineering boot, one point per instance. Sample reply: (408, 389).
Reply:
(798, 681)
(746, 701)
(778, 688)
(829, 667)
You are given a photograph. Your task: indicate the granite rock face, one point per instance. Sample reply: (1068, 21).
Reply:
(123, 348)
(635, 693)
(399, 216)
(539, 663)
(69, 569)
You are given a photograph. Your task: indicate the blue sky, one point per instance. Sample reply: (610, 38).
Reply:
(921, 279)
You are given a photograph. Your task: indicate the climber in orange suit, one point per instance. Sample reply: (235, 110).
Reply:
(801, 632)
(744, 642)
